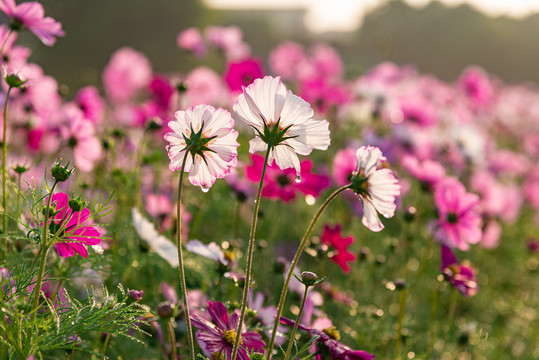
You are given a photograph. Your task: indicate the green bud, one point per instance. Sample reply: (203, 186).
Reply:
(60, 173)
(308, 278)
(76, 204)
(14, 81)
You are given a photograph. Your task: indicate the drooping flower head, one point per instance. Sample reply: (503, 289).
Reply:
(460, 275)
(74, 229)
(376, 188)
(207, 137)
(459, 222)
(282, 121)
(219, 338)
(32, 16)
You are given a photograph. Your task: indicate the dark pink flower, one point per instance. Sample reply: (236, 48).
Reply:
(284, 184)
(218, 337)
(418, 110)
(330, 338)
(73, 228)
(461, 276)
(459, 222)
(242, 73)
(32, 16)
(323, 95)
(342, 256)
(344, 165)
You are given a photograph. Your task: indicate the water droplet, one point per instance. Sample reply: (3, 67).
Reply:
(205, 188)
(298, 179)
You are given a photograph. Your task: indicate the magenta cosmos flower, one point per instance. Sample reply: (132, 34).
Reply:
(459, 222)
(243, 73)
(206, 136)
(282, 121)
(280, 184)
(74, 229)
(32, 16)
(342, 256)
(330, 338)
(461, 276)
(376, 188)
(218, 339)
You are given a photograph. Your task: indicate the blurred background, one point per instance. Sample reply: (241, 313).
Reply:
(439, 37)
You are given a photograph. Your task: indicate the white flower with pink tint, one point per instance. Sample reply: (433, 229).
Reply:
(377, 188)
(282, 121)
(206, 136)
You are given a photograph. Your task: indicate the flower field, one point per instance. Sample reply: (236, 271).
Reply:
(273, 208)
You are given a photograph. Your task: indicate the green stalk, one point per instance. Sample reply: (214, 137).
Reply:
(301, 247)
(44, 250)
(183, 286)
(433, 328)
(250, 257)
(4, 173)
(402, 305)
(172, 338)
(5, 42)
(295, 329)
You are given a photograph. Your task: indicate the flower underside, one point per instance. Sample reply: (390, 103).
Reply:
(196, 144)
(273, 135)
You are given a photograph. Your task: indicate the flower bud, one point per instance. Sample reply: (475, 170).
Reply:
(76, 204)
(399, 284)
(60, 173)
(165, 309)
(14, 81)
(135, 295)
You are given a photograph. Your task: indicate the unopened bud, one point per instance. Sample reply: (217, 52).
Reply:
(61, 173)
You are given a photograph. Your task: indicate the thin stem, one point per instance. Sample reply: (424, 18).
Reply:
(301, 247)
(172, 338)
(295, 329)
(433, 328)
(4, 173)
(452, 310)
(402, 305)
(183, 286)
(250, 257)
(5, 42)
(105, 344)
(18, 197)
(44, 250)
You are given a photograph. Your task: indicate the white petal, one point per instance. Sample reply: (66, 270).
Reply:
(256, 145)
(295, 111)
(370, 217)
(285, 158)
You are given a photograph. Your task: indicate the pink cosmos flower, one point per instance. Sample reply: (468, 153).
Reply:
(282, 183)
(323, 95)
(207, 137)
(32, 16)
(342, 256)
(205, 86)
(459, 222)
(285, 59)
(91, 104)
(218, 337)
(13, 57)
(80, 135)
(418, 110)
(461, 276)
(476, 86)
(242, 73)
(229, 39)
(127, 72)
(73, 228)
(329, 337)
(282, 121)
(376, 188)
(191, 39)
(428, 172)
(344, 165)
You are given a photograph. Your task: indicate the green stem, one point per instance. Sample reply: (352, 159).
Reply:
(105, 344)
(183, 286)
(250, 257)
(4, 172)
(295, 329)
(301, 247)
(452, 310)
(44, 250)
(5, 42)
(402, 306)
(433, 328)
(18, 197)
(172, 338)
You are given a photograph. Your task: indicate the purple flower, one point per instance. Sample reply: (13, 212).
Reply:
(330, 338)
(461, 276)
(219, 338)
(32, 16)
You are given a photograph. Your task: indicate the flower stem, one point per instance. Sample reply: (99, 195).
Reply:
(402, 305)
(183, 286)
(452, 310)
(301, 247)
(5, 42)
(4, 173)
(295, 329)
(433, 328)
(250, 257)
(44, 250)
(172, 338)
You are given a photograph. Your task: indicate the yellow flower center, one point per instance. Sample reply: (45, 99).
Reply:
(230, 337)
(333, 333)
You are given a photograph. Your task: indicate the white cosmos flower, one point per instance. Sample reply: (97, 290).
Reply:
(158, 243)
(208, 135)
(281, 120)
(211, 251)
(377, 188)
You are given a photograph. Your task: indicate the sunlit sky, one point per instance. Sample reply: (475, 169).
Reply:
(347, 15)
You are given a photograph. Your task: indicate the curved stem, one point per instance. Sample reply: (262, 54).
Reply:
(250, 257)
(183, 286)
(295, 262)
(4, 173)
(44, 250)
(5, 42)
(295, 329)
